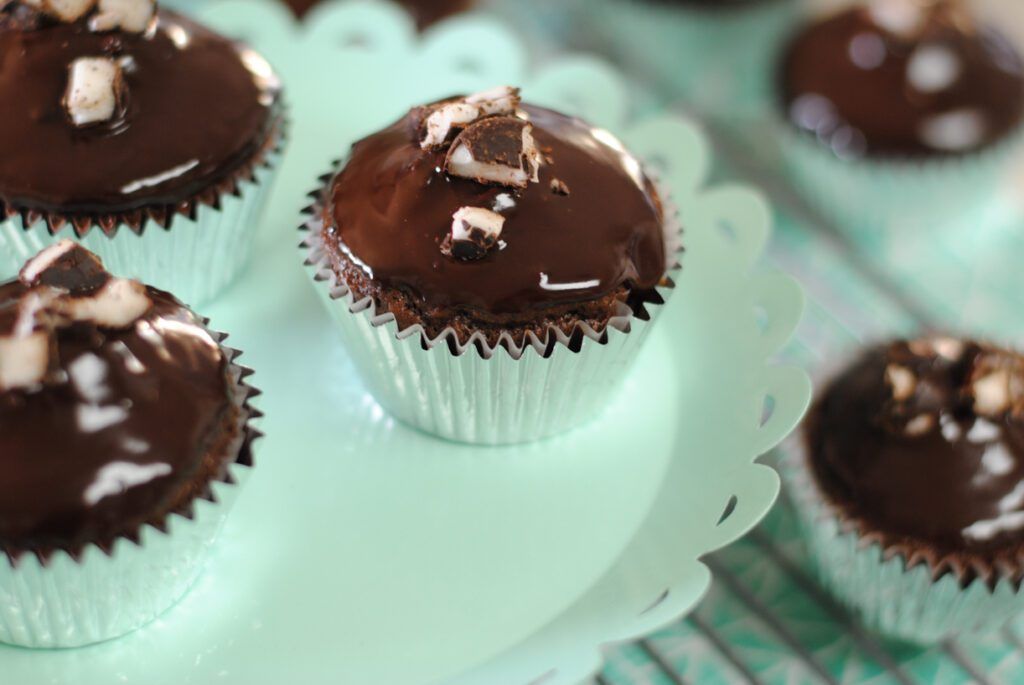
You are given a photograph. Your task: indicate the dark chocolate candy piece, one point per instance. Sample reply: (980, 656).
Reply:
(495, 150)
(68, 266)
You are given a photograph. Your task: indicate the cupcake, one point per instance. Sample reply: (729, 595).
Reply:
(716, 55)
(910, 103)
(137, 132)
(911, 487)
(124, 426)
(494, 266)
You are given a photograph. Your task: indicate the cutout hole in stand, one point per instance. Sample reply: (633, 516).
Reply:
(467, 64)
(730, 509)
(544, 678)
(657, 163)
(728, 231)
(656, 603)
(355, 40)
(761, 317)
(767, 410)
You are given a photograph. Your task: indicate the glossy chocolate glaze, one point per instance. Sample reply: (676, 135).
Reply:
(199, 108)
(391, 207)
(957, 487)
(864, 90)
(131, 425)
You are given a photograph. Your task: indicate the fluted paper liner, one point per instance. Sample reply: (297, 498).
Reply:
(68, 599)
(869, 198)
(899, 590)
(507, 393)
(193, 250)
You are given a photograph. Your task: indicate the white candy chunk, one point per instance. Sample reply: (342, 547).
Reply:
(992, 393)
(128, 15)
(461, 163)
(933, 68)
(445, 118)
(920, 425)
(23, 360)
(458, 114)
(902, 381)
(474, 231)
(37, 308)
(950, 348)
(899, 17)
(500, 100)
(468, 220)
(94, 89)
(955, 131)
(65, 10)
(117, 304)
(531, 155)
(44, 260)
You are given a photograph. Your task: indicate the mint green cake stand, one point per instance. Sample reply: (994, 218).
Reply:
(364, 552)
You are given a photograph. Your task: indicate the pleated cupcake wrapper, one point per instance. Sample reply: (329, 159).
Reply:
(912, 596)
(882, 204)
(495, 395)
(195, 257)
(72, 601)
(720, 60)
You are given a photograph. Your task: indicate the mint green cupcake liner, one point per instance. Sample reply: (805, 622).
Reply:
(902, 594)
(506, 394)
(71, 601)
(195, 257)
(720, 61)
(877, 203)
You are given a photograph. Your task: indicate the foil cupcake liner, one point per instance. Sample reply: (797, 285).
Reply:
(194, 250)
(473, 392)
(878, 203)
(66, 600)
(718, 59)
(898, 591)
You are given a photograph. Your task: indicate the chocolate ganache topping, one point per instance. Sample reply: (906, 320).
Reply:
(923, 442)
(117, 406)
(903, 78)
(103, 118)
(499, 213)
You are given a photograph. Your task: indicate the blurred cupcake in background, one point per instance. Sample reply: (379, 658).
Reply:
(145, 136)
(909, 482)
(716, 55)
(125, 429)
(900, 113)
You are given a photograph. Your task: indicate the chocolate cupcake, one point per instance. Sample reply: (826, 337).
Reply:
(141, 134)
(909, 102)
(911, 487)
(494, 265)
(124, 426)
